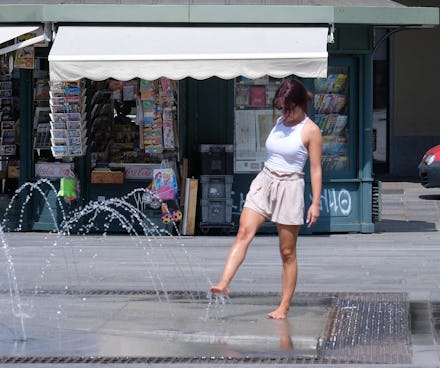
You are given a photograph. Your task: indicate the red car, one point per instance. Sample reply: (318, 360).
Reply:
(429, 168)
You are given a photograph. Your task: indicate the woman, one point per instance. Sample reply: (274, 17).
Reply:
(277, 193)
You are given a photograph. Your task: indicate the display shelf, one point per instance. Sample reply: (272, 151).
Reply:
(331, 115)
(255, 93)
(42, 127)
(67, 116)
(41, 112)
(254, 118)
(7, 118)
(133, 121)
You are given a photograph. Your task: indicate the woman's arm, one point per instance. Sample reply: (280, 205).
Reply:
(314, 146)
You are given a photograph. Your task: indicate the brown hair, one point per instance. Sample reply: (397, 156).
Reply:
(289, 94)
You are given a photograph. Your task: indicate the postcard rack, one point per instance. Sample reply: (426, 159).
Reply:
(67, 119)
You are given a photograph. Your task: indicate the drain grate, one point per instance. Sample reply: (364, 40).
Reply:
(435, 319)
(368, 328)
(151, 360)
(393, 191)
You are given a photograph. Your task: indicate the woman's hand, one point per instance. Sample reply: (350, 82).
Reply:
(312, 215)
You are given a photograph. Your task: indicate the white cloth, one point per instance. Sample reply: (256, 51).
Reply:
(285, 148)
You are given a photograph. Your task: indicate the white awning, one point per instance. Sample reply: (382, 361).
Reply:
(8, 33)
(124, 53)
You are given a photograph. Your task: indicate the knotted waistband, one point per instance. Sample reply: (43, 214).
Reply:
(282, 175)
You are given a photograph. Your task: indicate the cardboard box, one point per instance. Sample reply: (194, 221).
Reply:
(13, 171)
(107, 177)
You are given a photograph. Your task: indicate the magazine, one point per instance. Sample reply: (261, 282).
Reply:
(258, 96)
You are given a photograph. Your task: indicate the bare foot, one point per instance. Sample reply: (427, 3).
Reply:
(219, 289)
(279, 313)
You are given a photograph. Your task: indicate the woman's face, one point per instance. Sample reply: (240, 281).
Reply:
(293, 115)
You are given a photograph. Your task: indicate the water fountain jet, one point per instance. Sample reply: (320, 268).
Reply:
(137, 288)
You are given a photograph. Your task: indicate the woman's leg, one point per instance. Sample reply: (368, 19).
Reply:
(286, 342)
(288, 235)
(250, 222)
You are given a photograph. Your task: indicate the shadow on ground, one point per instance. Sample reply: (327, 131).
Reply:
(430, 197)
(404, 226)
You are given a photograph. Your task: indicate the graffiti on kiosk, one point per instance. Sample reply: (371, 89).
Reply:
(335, 201)
(236, 210)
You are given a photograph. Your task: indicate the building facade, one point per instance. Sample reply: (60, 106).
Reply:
(221, 71)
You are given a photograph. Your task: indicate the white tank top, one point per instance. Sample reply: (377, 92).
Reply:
(285, 148)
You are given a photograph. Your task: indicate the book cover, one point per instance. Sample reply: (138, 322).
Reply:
(25, 58)
(242, 95)
(168, 135)
(340, 123)
(8, 136)
(41, 90)
(258, 96)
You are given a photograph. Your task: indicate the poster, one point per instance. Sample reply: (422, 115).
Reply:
(25, 58)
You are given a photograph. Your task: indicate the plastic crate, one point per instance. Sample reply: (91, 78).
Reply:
(216, 211)
(216, 186)
(217, 159)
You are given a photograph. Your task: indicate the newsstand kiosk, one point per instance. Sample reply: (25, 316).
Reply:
(346, 173)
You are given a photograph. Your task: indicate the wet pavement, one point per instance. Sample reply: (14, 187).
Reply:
(138, 325)
(361, 298)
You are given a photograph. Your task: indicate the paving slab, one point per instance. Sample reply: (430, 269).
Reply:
(139, 325)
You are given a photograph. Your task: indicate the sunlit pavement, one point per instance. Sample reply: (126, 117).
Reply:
(361, 298)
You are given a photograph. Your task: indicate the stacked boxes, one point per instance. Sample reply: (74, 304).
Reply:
(217, 159)
(216, 184)
(216, 199)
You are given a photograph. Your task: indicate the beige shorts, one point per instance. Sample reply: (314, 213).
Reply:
(278, 196)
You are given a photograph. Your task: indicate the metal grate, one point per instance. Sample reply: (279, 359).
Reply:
(151, 360)
(368, 328)
(435, 319)
(377, 201)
